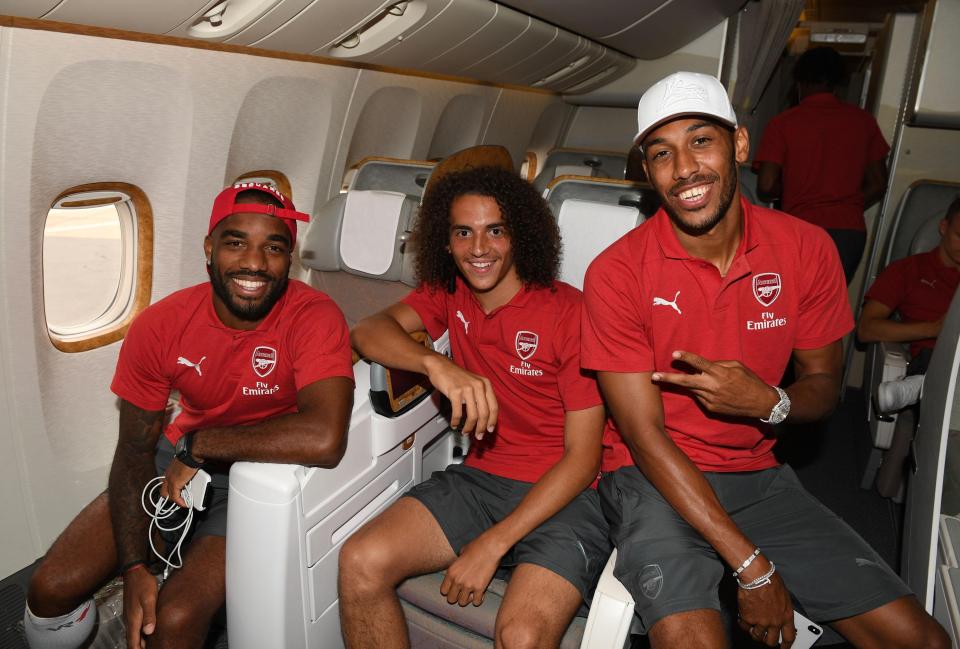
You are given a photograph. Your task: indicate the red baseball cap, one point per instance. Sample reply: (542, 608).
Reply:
(225, 205)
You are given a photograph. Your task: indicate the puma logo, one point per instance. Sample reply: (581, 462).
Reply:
(196, 366)
(659, 301)
(932, 284)
(466, 325)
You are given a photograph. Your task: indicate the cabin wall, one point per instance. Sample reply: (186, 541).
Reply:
(179, 123)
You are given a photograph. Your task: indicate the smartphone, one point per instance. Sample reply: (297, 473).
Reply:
(808, 632)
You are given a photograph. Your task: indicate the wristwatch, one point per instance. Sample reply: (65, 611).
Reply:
(781, 410)
(182, 451)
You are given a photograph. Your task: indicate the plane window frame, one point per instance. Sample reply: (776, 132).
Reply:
(134, 289)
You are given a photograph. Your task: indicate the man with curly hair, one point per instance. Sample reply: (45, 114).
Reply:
(488, 252)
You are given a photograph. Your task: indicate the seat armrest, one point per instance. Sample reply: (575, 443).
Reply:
(611, 612)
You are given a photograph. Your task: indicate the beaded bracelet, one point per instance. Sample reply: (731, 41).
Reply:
(759, 582)
(746, 563)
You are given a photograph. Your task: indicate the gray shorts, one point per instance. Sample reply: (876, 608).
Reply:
(212, 521)
(573, 543)
(669, 568)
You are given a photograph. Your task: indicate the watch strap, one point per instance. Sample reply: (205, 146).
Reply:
(184, 452)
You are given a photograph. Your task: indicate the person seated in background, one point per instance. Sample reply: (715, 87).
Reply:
(488, 255)
(264, 371)
(824, 159)
(919, 288)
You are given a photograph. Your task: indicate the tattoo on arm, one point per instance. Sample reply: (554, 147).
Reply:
(132, 468)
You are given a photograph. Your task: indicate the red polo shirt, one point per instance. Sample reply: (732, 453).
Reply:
(920, 288)
(823, 146)
(646, 297)
(529, 349)
(228, 377)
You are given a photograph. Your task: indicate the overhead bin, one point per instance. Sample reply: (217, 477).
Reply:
(537, 36)
(608, 65)
(646, 29)
(558, 69)
(219, 20)
(150, 17)
(321, 23)
(504, 28)
(459, 20)
(558, 52)
(27, 8)
(393, 21)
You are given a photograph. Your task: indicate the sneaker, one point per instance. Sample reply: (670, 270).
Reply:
(897, 395)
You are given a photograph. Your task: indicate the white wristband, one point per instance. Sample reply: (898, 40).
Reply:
(746, 562)
(759, 582)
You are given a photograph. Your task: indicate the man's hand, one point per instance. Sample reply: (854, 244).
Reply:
(139, 605)
(722, 387)
(766, 612)
(175, 478)
(474, 407)
(468, 577)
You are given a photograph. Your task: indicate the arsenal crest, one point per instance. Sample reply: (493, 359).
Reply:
(766, 288)
(526, 343)
(264, 360)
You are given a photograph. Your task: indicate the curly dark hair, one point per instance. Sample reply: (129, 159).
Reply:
(534, 235)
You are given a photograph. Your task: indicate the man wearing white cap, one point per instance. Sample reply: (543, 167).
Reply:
(690, 321)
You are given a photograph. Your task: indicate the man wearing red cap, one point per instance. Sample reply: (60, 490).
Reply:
(690, 320)
(263, 369)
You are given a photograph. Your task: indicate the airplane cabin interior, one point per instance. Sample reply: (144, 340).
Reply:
(120, 120)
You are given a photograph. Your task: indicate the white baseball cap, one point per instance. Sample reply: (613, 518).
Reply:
(683, 93)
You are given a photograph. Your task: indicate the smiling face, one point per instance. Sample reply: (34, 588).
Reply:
(249, 260)
(692, 163)
(482, 250)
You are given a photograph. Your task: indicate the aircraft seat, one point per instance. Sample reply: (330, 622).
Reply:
(915, 229)
(356, 248)
(575, 162)
(934, 451)
(287, 523)
(391, 174)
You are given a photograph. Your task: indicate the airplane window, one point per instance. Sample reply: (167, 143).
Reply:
(82, 254)
(97, 248)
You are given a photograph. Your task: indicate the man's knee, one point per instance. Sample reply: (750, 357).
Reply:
(367, 565)
(183, 616)
(55, 590)
(696, 629)
(524, 633)
(925, 634)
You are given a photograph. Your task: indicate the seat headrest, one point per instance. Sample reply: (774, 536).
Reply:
(363, 233)
(927, 236)
(370, 234)
(587, 228)
(572, 170)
